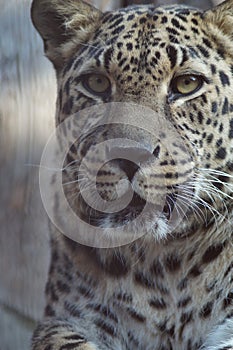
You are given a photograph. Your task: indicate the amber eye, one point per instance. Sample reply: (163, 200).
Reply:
(187, 84)
(97, 84)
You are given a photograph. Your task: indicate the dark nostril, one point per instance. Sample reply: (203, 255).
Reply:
(129, 158)
(130, 168)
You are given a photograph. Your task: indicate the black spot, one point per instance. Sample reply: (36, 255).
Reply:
(212, 253)
(219, 142)
(228, 301)
(173, 31)
(186, 317)
(49, 311)
(184, 19)
(158, 303)
(172, 54)
(206, 310)
(194, 21)
(108, 17)
(119, 55)
(127, 298)
(177, 24)
(215, 124)
(106, 327)
(214, 107)
(157, 269)
(85, 291)
(185, 57)
(63, 287)
(126, 68)
(143, 280)
(213, 69)
(72, 309)
(230, 166)
(171, 332)
(116, 266)
(164, 20)
(184, 302)
(207, 43)
(120, 45)
(107, 58)
(231, 129)
(136, 316)
(224, 78)
(118, 30)
(204, 52)
(116, 23)
(120, 64)
(225, 108)
(130, 17)
(195, 30)
(200, 117)
(221, 153)
(194, 272)
(184, 11)
(104, 310)
(172, 263)
(142, 20)
(129, 46)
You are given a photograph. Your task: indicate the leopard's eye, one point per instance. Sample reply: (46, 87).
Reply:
(187, 84)
(97, 84)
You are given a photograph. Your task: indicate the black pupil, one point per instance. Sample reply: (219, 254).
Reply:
(189, 81)
(99, 80)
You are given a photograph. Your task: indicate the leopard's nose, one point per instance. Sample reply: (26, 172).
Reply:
(129, 159)
(130, 168)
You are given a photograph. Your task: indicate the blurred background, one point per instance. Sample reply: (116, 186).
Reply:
(27, 105)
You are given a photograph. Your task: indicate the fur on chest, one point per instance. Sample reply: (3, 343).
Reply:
(167, 293)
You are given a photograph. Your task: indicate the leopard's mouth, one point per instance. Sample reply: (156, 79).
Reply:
(127, 215)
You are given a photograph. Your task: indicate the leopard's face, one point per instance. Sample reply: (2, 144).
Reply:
(175, 62)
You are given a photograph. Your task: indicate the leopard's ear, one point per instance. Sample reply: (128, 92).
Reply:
(222, 17)
(63, 25)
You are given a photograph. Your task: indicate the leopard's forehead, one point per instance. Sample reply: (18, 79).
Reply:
(144, 22)
(137, 37)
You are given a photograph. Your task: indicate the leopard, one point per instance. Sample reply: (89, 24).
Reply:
(152, 86)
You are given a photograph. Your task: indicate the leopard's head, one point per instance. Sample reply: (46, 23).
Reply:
(147, 95)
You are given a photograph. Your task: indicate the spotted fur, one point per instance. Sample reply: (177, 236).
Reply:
(169, 290)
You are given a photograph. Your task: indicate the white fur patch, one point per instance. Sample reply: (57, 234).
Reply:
(221, 337)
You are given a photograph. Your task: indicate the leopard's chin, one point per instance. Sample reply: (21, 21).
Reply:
(137, 213)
